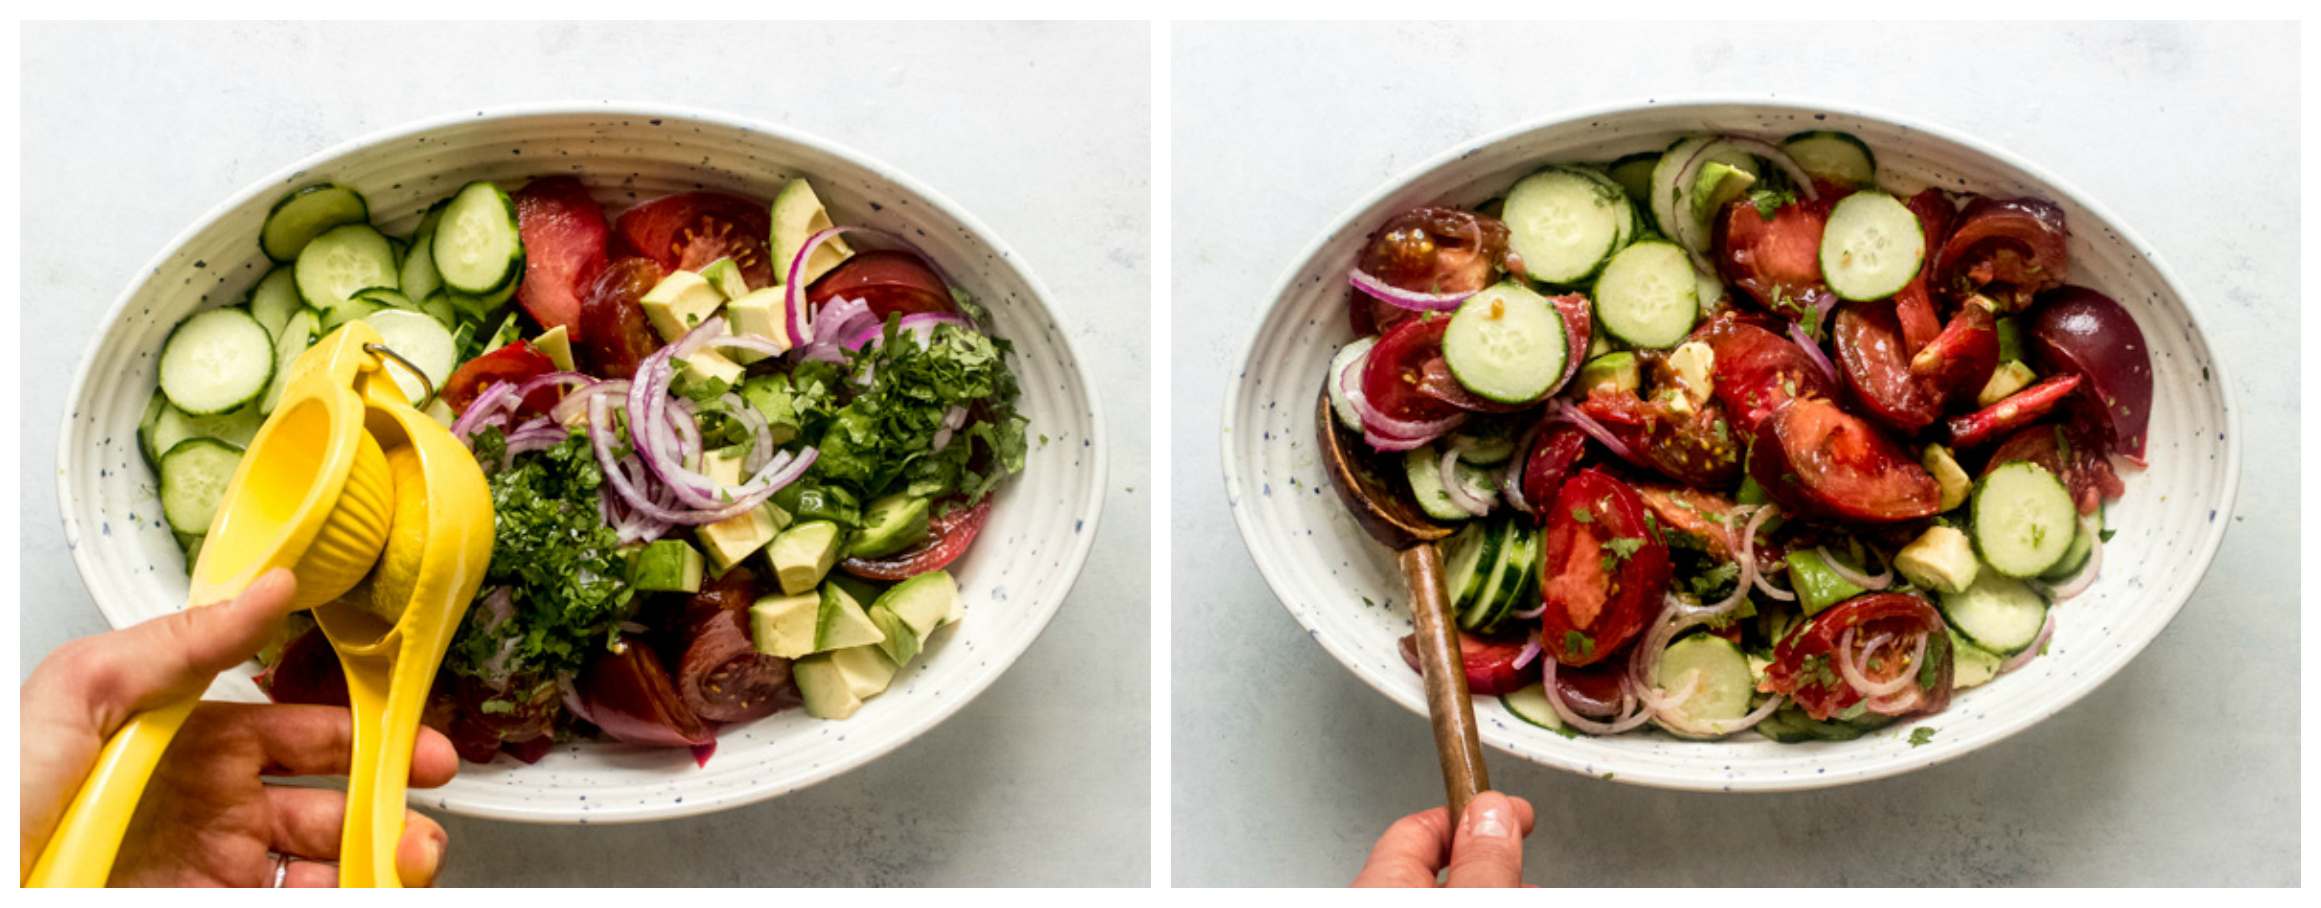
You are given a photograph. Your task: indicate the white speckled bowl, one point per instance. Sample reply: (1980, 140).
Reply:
(1327, 571)
(1013, 580)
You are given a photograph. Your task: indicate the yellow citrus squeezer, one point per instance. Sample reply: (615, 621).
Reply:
(386, 521)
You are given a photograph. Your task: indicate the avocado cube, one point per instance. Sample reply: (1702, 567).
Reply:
(891, 524)
(772, 396)
(763, 314)
(1817, 586)
(824, 686)
(803, 554)
(841, 622)
(784, 625)
(667, 566)
(902, 641)
(558, 347)
(1613, 370)
(797, 216)
(680, 303)
(924, 602)
(1718, 184)
(1952, 481)
(866, 669)
(1941, 559)
(706, 366)
(724, 275)
(2011, 376)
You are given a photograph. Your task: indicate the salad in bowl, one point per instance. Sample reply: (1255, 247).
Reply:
(732, 448)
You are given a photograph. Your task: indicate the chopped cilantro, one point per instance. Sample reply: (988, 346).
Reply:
(1770, 201)
(1921, 735)
(1581, 515)
(2107, 534)
(1578, 643)
(1624, 546)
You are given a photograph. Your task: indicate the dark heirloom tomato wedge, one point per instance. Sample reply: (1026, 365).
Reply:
(517, 362)
(615, 336)
(1604, 570)
(1554, 451)
(1814, 458)
(1776, 260)
(1869, 355)
(889, 281)
(1429, 250)
(1592, 690)
(629, 695)
(1914, 304)
(1397, 368)
(1958, 362)
(2072, 452)
(2086, 333)
(1804, 668)
(564, 248)
(2007, 249)
(1704, 518)
(1489, 664)
(1697, 447)
(689, 231)
(948, 536)
(1755, 371)
(721, 677)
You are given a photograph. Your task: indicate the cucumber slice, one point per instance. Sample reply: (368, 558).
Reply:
(423, 341)
(1423, 465)
(419, 280)
(1489, 447)
(342, 263)
(349, 311)
(194, 475)
(145, 425)
(236, 428)
(477, 247)
(1467, 558)
(386, 299)
(1524, 561)
(1725, 685)
(2075, 557)
(216, 362)
(1671, 202)
(296, 335)
(2024, 520)
(1833, 156)
(1871, 247)
(1648, 295)
(438, 306)
(1530, 704)
(1971, 665)
(1506, 344)
(308, 212)
(480, 308)
(1517, 558)
(1564, 223)
(275, 299)
(2001, 615)
(1339, 402)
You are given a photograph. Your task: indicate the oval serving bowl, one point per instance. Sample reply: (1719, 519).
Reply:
(1012, 581)
(1346, 590)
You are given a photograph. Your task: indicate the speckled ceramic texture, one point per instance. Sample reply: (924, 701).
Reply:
(1013, 580)
(1347, 592)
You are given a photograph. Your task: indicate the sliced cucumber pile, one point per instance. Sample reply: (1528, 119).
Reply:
(308, 212)
(1491, 571)
(2001, 615)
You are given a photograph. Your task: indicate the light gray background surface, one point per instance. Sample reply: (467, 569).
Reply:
(1043, 131)
(2182, 769)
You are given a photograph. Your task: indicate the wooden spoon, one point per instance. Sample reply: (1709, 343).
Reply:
(1391, 517)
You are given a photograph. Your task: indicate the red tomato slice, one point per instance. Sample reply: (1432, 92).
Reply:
(1489, 664)
(1755, 371)
(1957, 363)
(1705, 516)
(2007, 249)
(1802, 667)
(948, 537)
(517, 362)
(889, 281)
(1553, 454)
(1869, 355)
(1398, 366)
(1604, 572)
(1593, 690)
(1913, 305)
(1436, 250)
(564, 249)
(307, 671)
(616, 336)
(629, 695)
(1776, 261)
(1817, 459)
(687, 232)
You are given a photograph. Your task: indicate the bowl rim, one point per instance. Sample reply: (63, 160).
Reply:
(942, 708)
(2204, 550)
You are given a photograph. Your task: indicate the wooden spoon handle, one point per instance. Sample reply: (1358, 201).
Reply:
(1447, 701)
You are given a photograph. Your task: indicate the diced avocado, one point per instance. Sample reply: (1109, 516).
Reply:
(784, 625)
(1817, 586)
(1718, 184)
(1599, 344)
(772, 396)
(891, 524)
(842, 623)
(762, 314)
(558, 347)
(1971, 665)
(824, 687)
(706, 366)
(902, 640)
(724, 275)
(924, 602)
(1615, 370)
(867, 669)
(1694, 362)
(2011, 376)
(813, 501)
(803, 553)
(798, 215)
(667, 566)
(862, 590)
(1955, 485)
(1753, 494)
(729, 541)
(1941, 559)
(680, 303)
(2010, 332)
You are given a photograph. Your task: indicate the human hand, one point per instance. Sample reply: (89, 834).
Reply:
(207, 817)
(1486, 849)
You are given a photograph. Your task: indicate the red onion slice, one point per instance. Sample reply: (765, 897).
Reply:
(1530, 652)
(917, 324)
(1379, 425)
(1813, 352)
(2080, 582)
(1448, 467)
(1878, 581)
(1853, 665)
(1407, 299)
(1632, 715)
(1748, 553)
(1596, 431)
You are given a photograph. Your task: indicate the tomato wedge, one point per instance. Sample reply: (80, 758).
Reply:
(1755, 371)
(517, 362)
(628, 694)
(1869, 355)
(1816, 459)
(1489, 664)
(890, 281)
(1914, 305)
(1554, 452)
(948, 537)
(1776, 260)
(1604, 570)
(615, 335)
(1804, 666)
(1593, 690)
(687, 232)
(1397, 368)
(1958, 362)
(2007, 249)
(564, 249)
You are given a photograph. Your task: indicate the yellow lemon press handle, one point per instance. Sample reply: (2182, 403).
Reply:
(81, 851)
